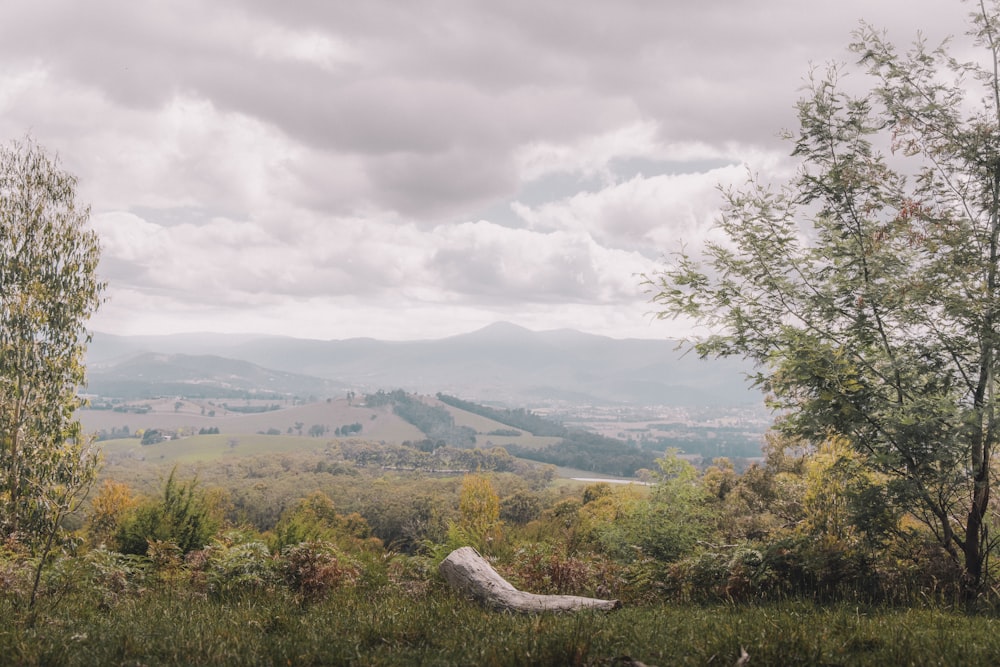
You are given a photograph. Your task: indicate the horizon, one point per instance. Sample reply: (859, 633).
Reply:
(493, 325)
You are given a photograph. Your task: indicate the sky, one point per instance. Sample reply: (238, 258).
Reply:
(418, 169)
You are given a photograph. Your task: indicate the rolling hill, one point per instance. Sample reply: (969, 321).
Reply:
(152, 374)
(502, 364)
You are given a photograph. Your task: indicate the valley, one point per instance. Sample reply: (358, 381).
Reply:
(634, 397)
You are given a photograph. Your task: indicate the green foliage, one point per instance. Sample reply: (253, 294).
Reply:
(152, 436)
(665, 525)
(866, 289)
(315, 519)
(409, 457)
(183, 517)
(104, 578)
(239, 564)
(349, 429)
(48, 290)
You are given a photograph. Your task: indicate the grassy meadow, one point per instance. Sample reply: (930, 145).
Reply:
(391, 626)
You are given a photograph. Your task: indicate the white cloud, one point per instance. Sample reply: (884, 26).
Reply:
(341, 169)
(309, 46)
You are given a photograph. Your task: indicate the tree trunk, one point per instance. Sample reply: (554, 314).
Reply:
(469, 573)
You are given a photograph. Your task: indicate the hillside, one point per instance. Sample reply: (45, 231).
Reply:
(501, 365)
(152, 374)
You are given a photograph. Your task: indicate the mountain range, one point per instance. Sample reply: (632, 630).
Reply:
(501, 364)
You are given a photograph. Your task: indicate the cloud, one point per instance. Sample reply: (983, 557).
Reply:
(392, 169)
(487, 262)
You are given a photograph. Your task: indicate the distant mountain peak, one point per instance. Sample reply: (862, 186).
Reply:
(504, 327)
(498, 331)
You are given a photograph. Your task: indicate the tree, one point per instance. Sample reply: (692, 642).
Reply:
(48, 290)
(867, 289)
(152, 436)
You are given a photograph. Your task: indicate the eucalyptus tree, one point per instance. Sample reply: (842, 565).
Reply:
(867, 288)
(48, 290)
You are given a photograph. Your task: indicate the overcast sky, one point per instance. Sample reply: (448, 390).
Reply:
(411, 169)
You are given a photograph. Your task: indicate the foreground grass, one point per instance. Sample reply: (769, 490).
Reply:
(389, 627)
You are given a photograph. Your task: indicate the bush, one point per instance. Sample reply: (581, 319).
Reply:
(182, 517)
(312, 569)
(236, 563)
(545, 569)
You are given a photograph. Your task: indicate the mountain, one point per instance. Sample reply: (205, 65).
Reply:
(502, 364)
(151, 374)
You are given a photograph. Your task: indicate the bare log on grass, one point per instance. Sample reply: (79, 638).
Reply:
(469, 573)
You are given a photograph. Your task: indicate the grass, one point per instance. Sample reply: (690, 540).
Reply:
(377, 423)
(388, 626)
(204, 448)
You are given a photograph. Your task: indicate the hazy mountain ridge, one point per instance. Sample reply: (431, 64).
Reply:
(501, 363)
(149, 374)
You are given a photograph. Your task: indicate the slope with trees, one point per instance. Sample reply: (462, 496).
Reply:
(575, 449)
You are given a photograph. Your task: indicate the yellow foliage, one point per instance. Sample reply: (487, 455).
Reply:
(479, 508)
(112, 502)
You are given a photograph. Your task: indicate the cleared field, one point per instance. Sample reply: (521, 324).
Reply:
(173, 414)
(208, 448)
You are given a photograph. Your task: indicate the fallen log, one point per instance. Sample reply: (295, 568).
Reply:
(469, 573)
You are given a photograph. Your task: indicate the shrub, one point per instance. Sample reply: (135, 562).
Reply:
(236, 563)
(545, 569)
(182, 516)
(312, 569)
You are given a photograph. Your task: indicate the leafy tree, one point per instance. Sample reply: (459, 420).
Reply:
(867, 289)
(48, 290)
(677, 513)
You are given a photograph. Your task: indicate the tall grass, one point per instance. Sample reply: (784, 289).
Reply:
(388, 625)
